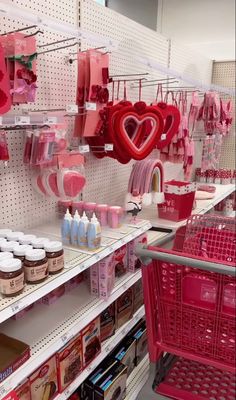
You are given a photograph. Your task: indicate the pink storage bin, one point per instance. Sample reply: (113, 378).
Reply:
(179, 199)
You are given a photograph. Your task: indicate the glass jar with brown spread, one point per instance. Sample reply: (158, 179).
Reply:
(36, 266)
(19, 251)
(55, 256)
(12, 279)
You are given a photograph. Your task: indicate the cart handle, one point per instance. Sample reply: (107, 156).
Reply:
(147, 256)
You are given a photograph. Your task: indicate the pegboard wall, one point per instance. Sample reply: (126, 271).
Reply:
(224, 74)
(106, 179)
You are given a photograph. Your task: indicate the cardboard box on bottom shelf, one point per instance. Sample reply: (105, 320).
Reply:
(69, 363)
(108, 322)
(139, 333)
(137, 295)
(89, 385)
(43, 382)
(113, 384)
(125, 352)
(124, 308)
(13, 354)
(91, 341)
(23, 390)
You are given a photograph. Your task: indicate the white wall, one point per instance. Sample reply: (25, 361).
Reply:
(208, 26)
(142, 11)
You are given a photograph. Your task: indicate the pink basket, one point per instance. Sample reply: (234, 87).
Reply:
(211, 236)
(179, 198)
(190, 380)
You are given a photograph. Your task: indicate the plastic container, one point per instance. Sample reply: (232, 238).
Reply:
(102, 214)
(36, 266)
(89, 209)
(39, 243)
(8, 246)
(55, 256)
(66, 228)
(5, 254)
(75, 229)
(115, 214)
(12, 278)
(82, 232)
(20, 251)
(79, 206)
(94, 234)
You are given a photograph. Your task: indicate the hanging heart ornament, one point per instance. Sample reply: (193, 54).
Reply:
(142, 116)
(171, 116)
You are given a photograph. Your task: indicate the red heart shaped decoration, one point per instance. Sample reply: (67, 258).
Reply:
(142, 115)
(171, 116)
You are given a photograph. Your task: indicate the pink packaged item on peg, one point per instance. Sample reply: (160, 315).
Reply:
(101, 213)
(79, 206)
(134, 262)
(217, 177)
(210, 176)
(115, 214)
(89, 208)
(106, 276)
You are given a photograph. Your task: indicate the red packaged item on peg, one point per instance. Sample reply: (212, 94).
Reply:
(217, 176)
(4, 155)
(5, 98)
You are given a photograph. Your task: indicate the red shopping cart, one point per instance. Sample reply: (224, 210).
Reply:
(190, 299)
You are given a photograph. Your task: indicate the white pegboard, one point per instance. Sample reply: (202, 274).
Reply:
(106, 179)
(224, 75)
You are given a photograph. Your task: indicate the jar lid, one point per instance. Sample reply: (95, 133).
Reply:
(35, 255)
(5, 254)
(39, 243)
(8, 246)
(4, 232)
(21, 249)
(14, 235)
(2, 240)
(52, 247)
(102, 207)
(10, 265)
(27, 239)
(116, 209)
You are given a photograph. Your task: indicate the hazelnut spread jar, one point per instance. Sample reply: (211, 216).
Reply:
(55, 256)
(19, 251)
(12, 277)
(36, 266)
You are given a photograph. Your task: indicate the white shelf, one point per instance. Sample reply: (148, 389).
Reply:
(107, 347)
(48, 328)
(76, 261)
(137, 379)
(222, 191)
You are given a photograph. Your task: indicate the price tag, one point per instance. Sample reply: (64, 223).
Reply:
(67, 393)
(97, 257)
(72, 109)
(163, 136)
(125, 287)
(0, 120)
(109, 147)
(84, 149)
(108, 349)
(66, 337)
(122, 241)
(90, 106)
(133, 235)
(123, 332)
(50, 120)
(15, 307)
(22, 120)
(111, 248)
